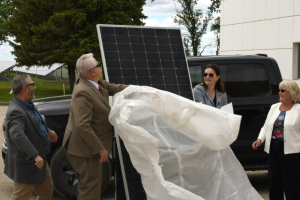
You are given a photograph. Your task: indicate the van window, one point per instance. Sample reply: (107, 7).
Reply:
(245, 80)
(241, 80)
(195, 74)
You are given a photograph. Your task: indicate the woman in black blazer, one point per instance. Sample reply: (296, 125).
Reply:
(211, 92)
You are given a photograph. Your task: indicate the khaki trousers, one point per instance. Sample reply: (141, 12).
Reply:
(44, 191)
(89, 174)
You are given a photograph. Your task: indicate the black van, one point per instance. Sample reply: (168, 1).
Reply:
(251, 83)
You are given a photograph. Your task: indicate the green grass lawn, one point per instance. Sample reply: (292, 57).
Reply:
(44, 88)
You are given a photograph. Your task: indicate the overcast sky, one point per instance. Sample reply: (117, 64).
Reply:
(159, 13)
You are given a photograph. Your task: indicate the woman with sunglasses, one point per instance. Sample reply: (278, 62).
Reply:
(281, 134)
(211, 92)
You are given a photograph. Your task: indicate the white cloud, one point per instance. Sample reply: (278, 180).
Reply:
(5, 52)
(159, 7)
(166, 22)
(169, 22)
(209, 38)
(151, 22)
(160, 14)
(168, 6)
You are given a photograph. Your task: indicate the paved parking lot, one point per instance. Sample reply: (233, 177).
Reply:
(259, 179)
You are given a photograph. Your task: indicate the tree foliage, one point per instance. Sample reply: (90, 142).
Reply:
(196, 24)
(60, 31)
(215, 26)
(5, 25)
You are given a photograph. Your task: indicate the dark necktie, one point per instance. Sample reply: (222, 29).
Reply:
(100, 89)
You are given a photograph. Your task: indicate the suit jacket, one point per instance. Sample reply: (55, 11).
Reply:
(24, 140)
(88, 131)
(201, 94)
(291, 128)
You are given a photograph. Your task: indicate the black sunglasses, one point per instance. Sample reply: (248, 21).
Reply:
(282, 90)
(98, 65)
(210, 75)
(30, 84)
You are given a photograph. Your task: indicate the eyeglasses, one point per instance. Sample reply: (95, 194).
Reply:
(210, 75)
(98, 65)
(282, 90)
(30, 84)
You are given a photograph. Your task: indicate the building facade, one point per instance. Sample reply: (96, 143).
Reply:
(269, 27)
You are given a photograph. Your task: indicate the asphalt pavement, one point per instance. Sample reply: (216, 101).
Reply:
(259, 179)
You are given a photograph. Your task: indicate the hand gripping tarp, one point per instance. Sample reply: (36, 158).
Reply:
(180, 147)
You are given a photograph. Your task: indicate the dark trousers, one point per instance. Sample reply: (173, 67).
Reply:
(284, 173)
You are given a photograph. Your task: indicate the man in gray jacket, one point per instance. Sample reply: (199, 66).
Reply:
(28, 140)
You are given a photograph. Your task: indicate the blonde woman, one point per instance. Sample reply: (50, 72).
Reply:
(281, 134)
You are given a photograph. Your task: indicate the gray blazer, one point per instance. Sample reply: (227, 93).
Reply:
(202, 95)
(24, 140)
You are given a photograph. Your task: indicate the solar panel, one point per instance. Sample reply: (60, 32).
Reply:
(151, 56)
(145, 56)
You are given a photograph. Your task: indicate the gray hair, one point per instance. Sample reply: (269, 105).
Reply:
(293, 88)
(18, 83)
(84, 64)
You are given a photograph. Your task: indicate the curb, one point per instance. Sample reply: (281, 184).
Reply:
(4, 103)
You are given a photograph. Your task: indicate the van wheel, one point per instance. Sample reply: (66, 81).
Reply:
(63, 175)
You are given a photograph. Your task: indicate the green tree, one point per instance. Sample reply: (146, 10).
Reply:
(5, 25)
(215, 26)
(195, 23)
(56, 31)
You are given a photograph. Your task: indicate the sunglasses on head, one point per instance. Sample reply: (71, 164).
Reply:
(30, 84)
(210, 75)
(282, 90)
(98, 65)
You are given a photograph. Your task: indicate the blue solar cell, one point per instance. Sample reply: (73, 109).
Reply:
(161, 33)
(151, 48)
(138, 47)
(174, 33)
(150, 40)
(107, 30)
(121, 31)
(164, 48)
(148, 32)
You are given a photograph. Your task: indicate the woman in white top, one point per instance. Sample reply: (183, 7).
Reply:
(281, 134)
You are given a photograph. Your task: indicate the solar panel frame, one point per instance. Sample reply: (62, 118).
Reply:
(168, 53)
(153, 55)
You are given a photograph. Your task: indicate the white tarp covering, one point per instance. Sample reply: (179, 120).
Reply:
(179, 147)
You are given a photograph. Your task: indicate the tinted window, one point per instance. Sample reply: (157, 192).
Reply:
(241, 80)
(195, 74)
(245, 80)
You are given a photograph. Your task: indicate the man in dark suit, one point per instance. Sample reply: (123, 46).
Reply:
(28, 140)
(88, 137)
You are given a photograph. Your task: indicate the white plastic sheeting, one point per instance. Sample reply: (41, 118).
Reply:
(179, 147)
